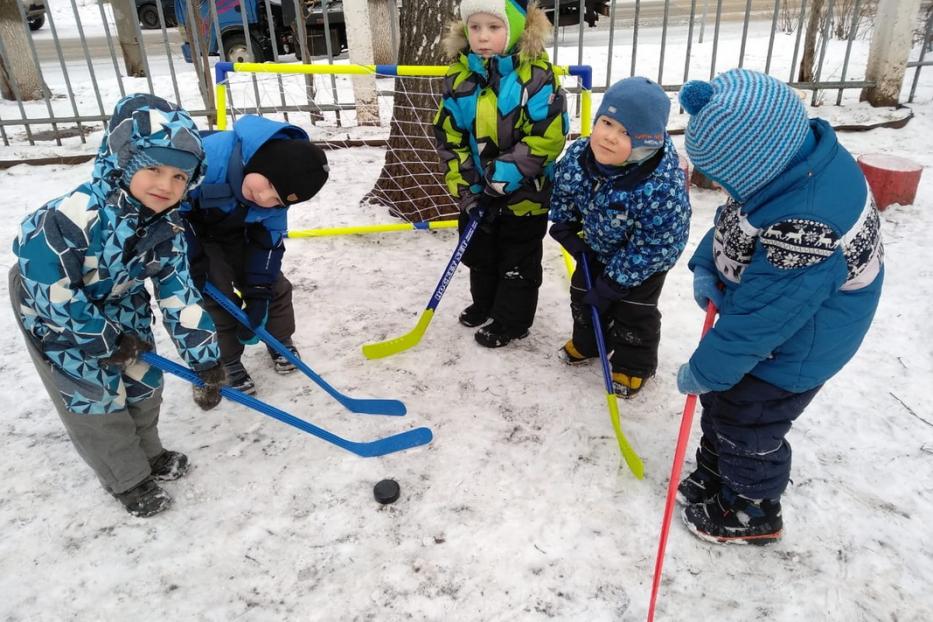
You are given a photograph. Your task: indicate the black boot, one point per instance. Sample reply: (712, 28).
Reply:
(704, 482)
(238, 378)
(146, 499)
(168, 465)
(496, 335)
(283, 365)
(728, 518)
(473, 316)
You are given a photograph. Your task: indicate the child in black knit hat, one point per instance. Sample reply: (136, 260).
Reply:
(237, 226)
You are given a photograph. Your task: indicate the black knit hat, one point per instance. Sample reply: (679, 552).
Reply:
(296, 169)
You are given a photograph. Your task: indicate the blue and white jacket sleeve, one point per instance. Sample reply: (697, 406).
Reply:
(768, 307)
(563, 208)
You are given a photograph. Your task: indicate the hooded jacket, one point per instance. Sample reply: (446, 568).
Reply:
(84, 258)
(502, 121)
(217, 209)
(803, 263)
(636, 222)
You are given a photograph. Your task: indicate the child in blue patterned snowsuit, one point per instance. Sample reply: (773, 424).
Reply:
(78, 290)
(794, 263)
(623, 191)
(237, 221)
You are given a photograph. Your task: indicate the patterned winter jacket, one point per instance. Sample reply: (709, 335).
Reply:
(636, 224)
(802, 261)
(84, 259)
(502, 122)
(217, 209)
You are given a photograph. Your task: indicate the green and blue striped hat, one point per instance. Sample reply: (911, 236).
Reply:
(512, 12)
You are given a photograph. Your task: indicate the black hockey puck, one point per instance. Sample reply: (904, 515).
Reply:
(386, 491)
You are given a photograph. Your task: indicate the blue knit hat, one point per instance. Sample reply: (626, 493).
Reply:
(745, 128)
(641, 106)
(161, 156)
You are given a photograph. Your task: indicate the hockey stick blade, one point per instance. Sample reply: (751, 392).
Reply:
(631, 458)
(363, 406)
(379, 447)
(410, 339)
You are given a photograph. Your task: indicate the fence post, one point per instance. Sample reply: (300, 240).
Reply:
(357, 17)
(890, 48)
(124, 15)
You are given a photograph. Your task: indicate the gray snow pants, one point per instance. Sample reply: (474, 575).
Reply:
(117, 446)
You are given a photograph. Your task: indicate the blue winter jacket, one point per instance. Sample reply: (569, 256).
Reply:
(637, 223)
(84, 259)
(218, 210)
(802, 262)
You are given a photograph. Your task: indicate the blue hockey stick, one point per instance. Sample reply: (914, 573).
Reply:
(358, 405)
(380, 447)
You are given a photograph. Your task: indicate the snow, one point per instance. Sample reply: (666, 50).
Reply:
(521, 508)
(890, 162)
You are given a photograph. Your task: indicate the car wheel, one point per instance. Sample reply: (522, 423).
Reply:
(36, 23)
(149, 16)
(236, 50)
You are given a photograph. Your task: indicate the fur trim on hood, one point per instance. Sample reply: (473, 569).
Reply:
(531, 45)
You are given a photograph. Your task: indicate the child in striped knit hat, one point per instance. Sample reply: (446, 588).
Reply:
(794, 263)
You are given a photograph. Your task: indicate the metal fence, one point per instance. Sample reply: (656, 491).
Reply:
(81, 62)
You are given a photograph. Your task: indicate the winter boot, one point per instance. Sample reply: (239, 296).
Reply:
(238, 378)
(168, 465)
(146, 499)
(571, 356)
(705, 481)
(626, 386)
(496, 335)
(283, 365)
(728, 518)
(473, 316)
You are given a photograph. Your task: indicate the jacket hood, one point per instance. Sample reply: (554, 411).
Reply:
(141, 121)
(530, 45)
(253, 132)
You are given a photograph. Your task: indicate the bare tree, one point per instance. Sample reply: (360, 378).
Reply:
(126, 19)
(411, 185)
(19, 74)
(814, 27)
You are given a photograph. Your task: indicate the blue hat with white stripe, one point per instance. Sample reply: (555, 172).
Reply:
(745, 128)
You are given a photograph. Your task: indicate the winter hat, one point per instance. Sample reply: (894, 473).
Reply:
(297, 169)
(745, 128)
(161, 156)
(512, 12)
(642, 107)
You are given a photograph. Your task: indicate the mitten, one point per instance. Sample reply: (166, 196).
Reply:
(207, 396)
(129, 347)
(603, 293)
(567, 235)
(687, 382)
(706, 287)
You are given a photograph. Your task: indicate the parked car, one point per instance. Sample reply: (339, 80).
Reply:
(149, 13)
(236, 42)
(35, 14)
(568, 13)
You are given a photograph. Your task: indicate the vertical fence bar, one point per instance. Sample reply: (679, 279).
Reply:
(325, 8)
(35, 59)
(556, 20)
(61, 62)
(827, 38)
(612, 32)
(693, 12)
(774, 16)
(168, 52)
(142, 45)
(215, 24)
(6, 141)
(581, 8)
(275, 54)
(923, 53)
(113, 54)
(853, 28)
(667, 11)
(250, 51)
(635, 37)
(87, 58)
(748, 11)
(793, 62)
(712, 65)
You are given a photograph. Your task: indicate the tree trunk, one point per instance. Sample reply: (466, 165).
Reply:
(807, 61)
(411, 184)
(126, 22)
(19, 74)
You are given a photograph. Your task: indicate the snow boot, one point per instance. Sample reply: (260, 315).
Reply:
(571, 356)
(238, 378)
(496, 335)
(705, 481)
(473, 316)
(168, 465)
(729, 518)
(145, 500)
(626, 386)
(283, 365)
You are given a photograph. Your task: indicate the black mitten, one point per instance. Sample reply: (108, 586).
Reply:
(129, 347)
(207, 396)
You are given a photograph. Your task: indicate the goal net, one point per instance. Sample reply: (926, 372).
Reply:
(378, 117)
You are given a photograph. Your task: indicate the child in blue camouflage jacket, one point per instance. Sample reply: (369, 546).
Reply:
(78, 292)
(620, 201)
